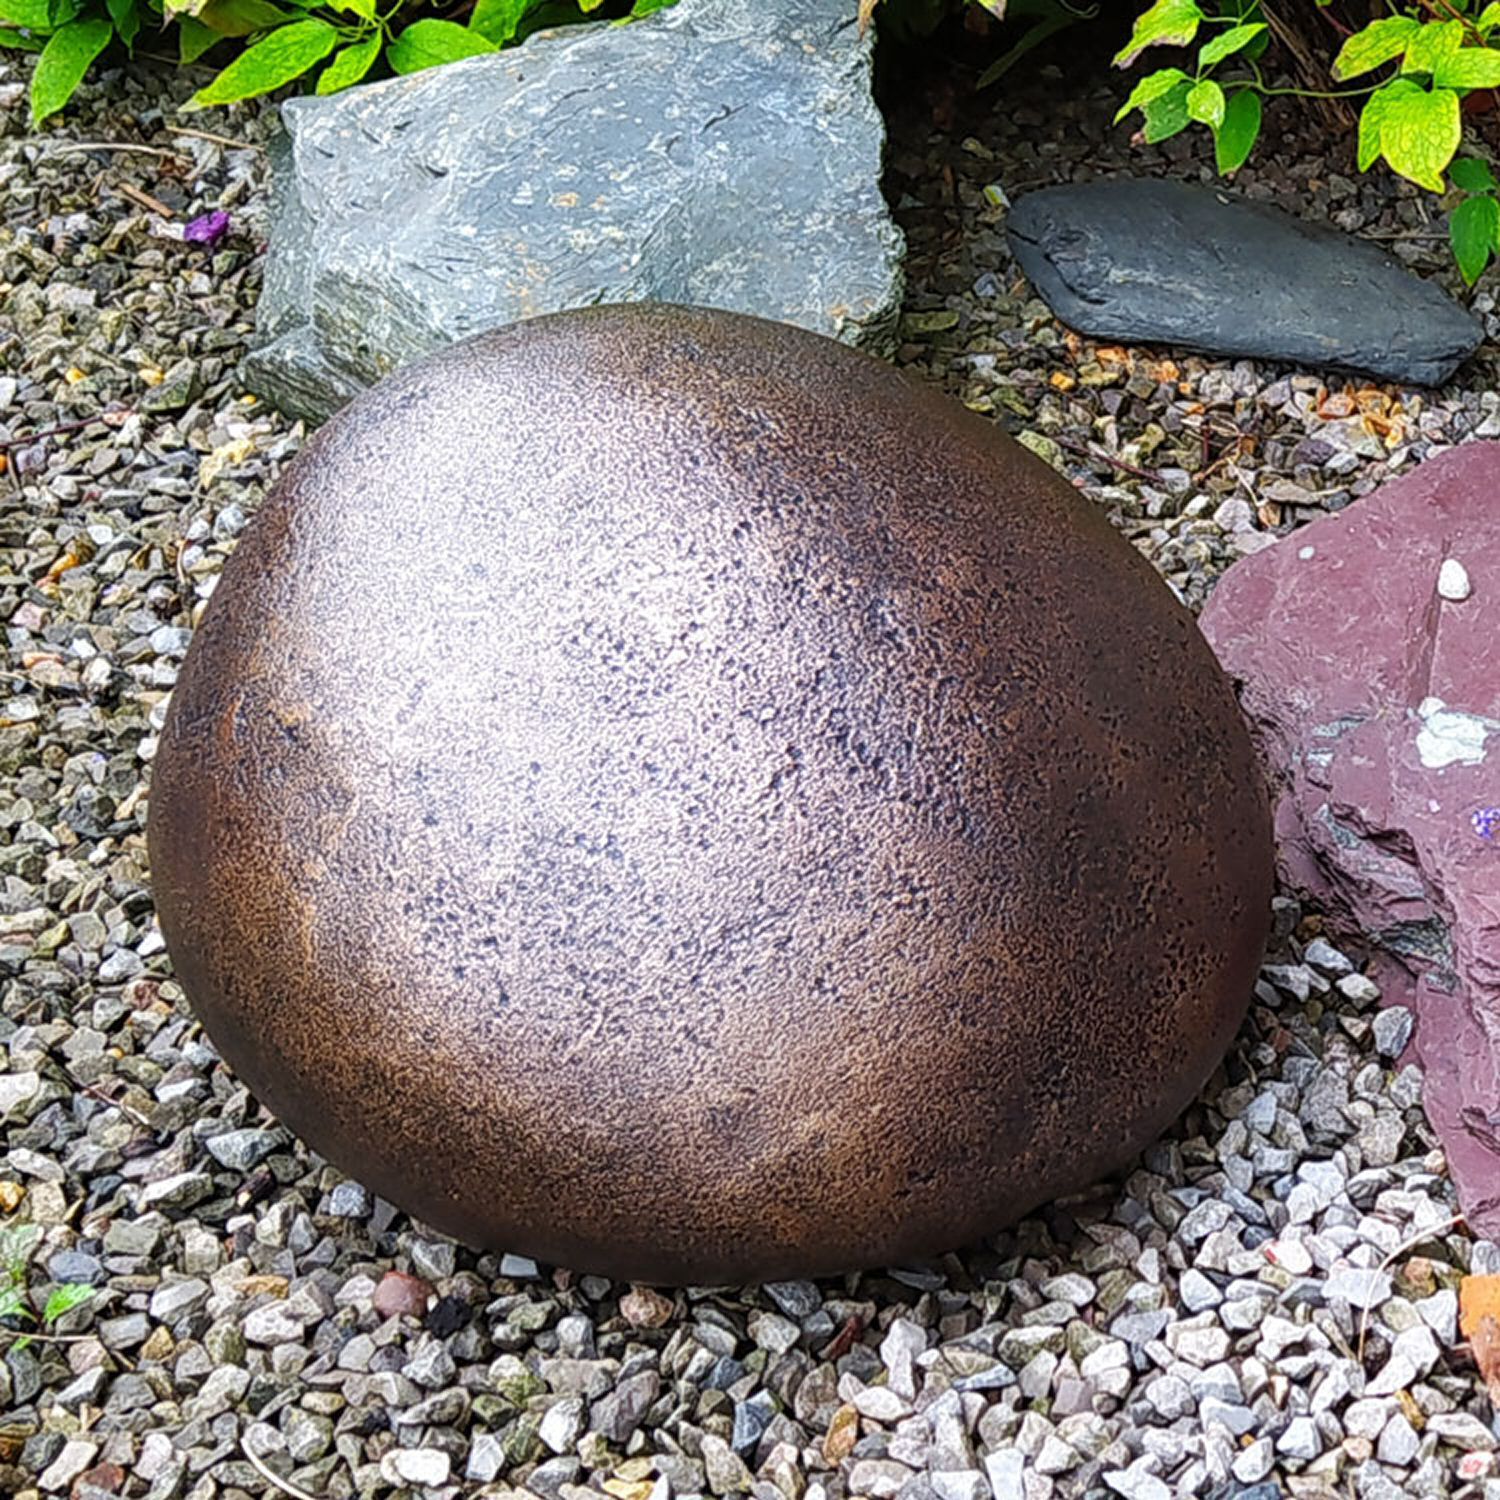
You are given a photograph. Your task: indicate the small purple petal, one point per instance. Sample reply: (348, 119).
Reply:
(208, 230)
(1487, 822)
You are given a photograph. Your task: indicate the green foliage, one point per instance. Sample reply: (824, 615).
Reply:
(64, 60)
(276, 42)
(1414, 69)
(281, 55)
(17, 1244)
(425, 44)
(1474, 228)
(1039, 20)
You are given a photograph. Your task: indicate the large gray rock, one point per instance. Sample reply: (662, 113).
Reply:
(725, 152)
(1153, 262)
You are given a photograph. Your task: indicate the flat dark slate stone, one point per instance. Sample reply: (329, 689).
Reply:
(1152, 262)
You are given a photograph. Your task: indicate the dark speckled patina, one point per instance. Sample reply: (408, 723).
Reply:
(665, 793)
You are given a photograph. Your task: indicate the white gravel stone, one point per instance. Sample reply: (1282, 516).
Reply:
(1255, 1462)
(1231, 1415)
(76, 1455)
(17, 1089)
(1005, 1468)
(1076, 1290)
(1453, 581)
(1462, 1429)
(1359, 1288)
(959, 1484)
(1291, 1255)
(1337, 1384)
(1221, 1380)
(1295, 979)
(1110, 1355)
(1300, 1440)
(1440, 1313)
(1393, 1026)
(1398, 1442)
(1323, 955)
(1056, 1457)
(880, 1404)
(273, 1323)
(1359, 987)
(1197, 1291)
(1170, 1397)
(774, 1333)
(1199, 1343)
(1367, 1417)
(1035, 1379)
(562, 1424)
(903, 1342)
(1138, 1483)
(486, 1458)
(429, 1467)
(1413, 1354)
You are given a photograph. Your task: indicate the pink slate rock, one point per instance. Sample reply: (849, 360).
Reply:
(1367, 651)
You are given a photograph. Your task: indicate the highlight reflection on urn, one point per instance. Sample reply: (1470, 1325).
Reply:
(667, 794)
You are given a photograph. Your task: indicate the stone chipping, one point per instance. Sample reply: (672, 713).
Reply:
(1264, 1304)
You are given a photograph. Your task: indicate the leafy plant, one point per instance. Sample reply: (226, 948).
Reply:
(1429, 56)
(1036, 20)
(279, 41)
(17, 1242)
(1043, 19)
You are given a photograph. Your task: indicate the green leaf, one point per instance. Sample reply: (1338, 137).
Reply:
(496, 20)
(1205, 103)
(1474, 230)
(126, 17)
(193, 40)
(1236, 137)
(1435, 44)
(350, 64)
(1420, 133)
(31, 15)
(425, 44)
(1167, 114)
(64, 60)
(64, 1299)
(1170, 23)
(1227, 43)
(23, 40)
(241, 17)
(1472, 176)
(364, 9)
(1152, 86)
(1489, 18)
(13, 1303)
(649, 8)
(17, 1241)
(589, 5)
(1372, 118)
(1472, 68)
(277, 58)
(1378, 43)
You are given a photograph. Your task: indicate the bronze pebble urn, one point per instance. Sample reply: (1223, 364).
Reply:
(667, 794)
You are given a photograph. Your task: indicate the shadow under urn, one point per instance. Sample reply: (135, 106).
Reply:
(665, 793)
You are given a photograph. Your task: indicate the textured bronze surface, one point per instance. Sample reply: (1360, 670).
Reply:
(664, 793)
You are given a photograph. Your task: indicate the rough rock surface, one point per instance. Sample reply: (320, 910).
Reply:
(1148, 261)
(807, 740)
(726, 153)
(1370, 682)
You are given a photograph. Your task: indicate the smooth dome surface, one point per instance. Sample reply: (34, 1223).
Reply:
(667, 794)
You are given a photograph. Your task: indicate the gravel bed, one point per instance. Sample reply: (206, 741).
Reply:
(1264, 1304)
